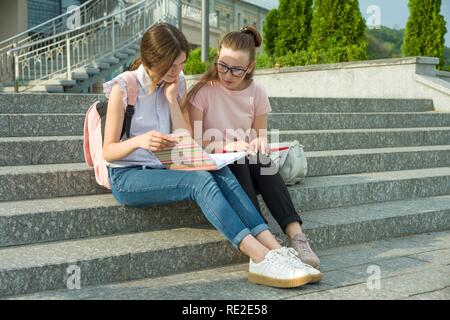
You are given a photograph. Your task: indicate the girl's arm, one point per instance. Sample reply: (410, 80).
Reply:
(260, 125)
(113, 149)
(180, 117)
(260, 143)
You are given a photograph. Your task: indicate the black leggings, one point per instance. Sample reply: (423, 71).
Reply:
(271, 187)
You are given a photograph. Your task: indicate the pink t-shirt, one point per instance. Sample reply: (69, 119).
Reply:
(230, 113)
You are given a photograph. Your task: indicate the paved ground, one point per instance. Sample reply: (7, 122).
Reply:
(416, 267)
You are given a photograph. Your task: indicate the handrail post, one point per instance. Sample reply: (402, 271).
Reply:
(205, 31)
(69, 69)
(15, 65)
(179, 14)
(113, 35)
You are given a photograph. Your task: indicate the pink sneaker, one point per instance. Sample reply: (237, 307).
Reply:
(300, 243)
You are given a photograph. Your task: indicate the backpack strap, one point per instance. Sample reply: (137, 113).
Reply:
(131, 82)
(132, 89)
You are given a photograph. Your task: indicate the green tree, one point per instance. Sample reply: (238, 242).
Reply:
(294, 26)
(425, 30)
(195, 65)
(270, 31)
(384, 43)
(338, 32)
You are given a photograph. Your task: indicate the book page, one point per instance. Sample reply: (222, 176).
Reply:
(185, 155)
(223, 159)
(189, 155)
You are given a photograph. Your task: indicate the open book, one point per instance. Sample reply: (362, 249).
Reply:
(189, 155)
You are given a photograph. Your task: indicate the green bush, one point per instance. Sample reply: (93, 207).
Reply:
(338, 32)
(270, 31)
(425, 30)
(298, 58)
(194, 64)
(264, 61)
(294, 26)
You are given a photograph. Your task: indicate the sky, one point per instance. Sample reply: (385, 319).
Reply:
(393, 13)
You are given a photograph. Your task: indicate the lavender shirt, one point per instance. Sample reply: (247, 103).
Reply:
(151, 113)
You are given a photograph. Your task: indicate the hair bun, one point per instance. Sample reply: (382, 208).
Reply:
(251, 30)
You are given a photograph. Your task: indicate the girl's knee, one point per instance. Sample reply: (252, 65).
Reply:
(202, 179)
(203, 176)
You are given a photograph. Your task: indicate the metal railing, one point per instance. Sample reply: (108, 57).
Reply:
(99, 35)
(85, 13)
(94, 40)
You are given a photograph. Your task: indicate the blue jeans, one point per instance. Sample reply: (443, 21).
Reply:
(219, 195)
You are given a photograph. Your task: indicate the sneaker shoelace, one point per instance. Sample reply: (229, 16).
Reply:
(303, 244)
(293, 258)
(277, 260)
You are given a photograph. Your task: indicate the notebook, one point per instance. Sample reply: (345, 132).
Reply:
(187, 154)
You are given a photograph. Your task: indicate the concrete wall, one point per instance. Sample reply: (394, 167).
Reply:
(13, 17)
(405, 78)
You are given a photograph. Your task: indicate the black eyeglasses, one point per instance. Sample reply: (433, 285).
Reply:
(236, 72)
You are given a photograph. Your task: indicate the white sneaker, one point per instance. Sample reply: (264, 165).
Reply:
(292, 256)
(276, 271)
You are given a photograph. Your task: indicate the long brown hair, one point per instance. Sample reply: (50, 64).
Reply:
(248, 39)
(160, 46)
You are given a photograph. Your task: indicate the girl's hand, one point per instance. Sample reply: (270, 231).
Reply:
(236, 146)
(155, 141)
(259, 145)
(172, 91)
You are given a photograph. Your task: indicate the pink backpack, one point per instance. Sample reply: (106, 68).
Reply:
(94, 128)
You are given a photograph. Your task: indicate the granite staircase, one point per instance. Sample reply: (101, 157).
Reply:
(377, 169)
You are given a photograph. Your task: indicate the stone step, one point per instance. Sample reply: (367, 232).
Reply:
(110, 60)
(91, 70)
(112, 259)
(74, 103)
(19, 151)
(58, 150)
(130, 51)
(46, 103)
(326, 105)
(63, 218)
(402, 261)
(121, 55)
(340, 139)
(80, 75)
(55, 124)
(23, 125)
(36, 88)
(333, 162)
(62, 180)
(316, 121)
(37, 221)
(100, 65)
(52, 82)
(40, 267)
(47, 149)
(47, 181)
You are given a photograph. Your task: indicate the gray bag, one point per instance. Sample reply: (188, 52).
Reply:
(291, 162)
